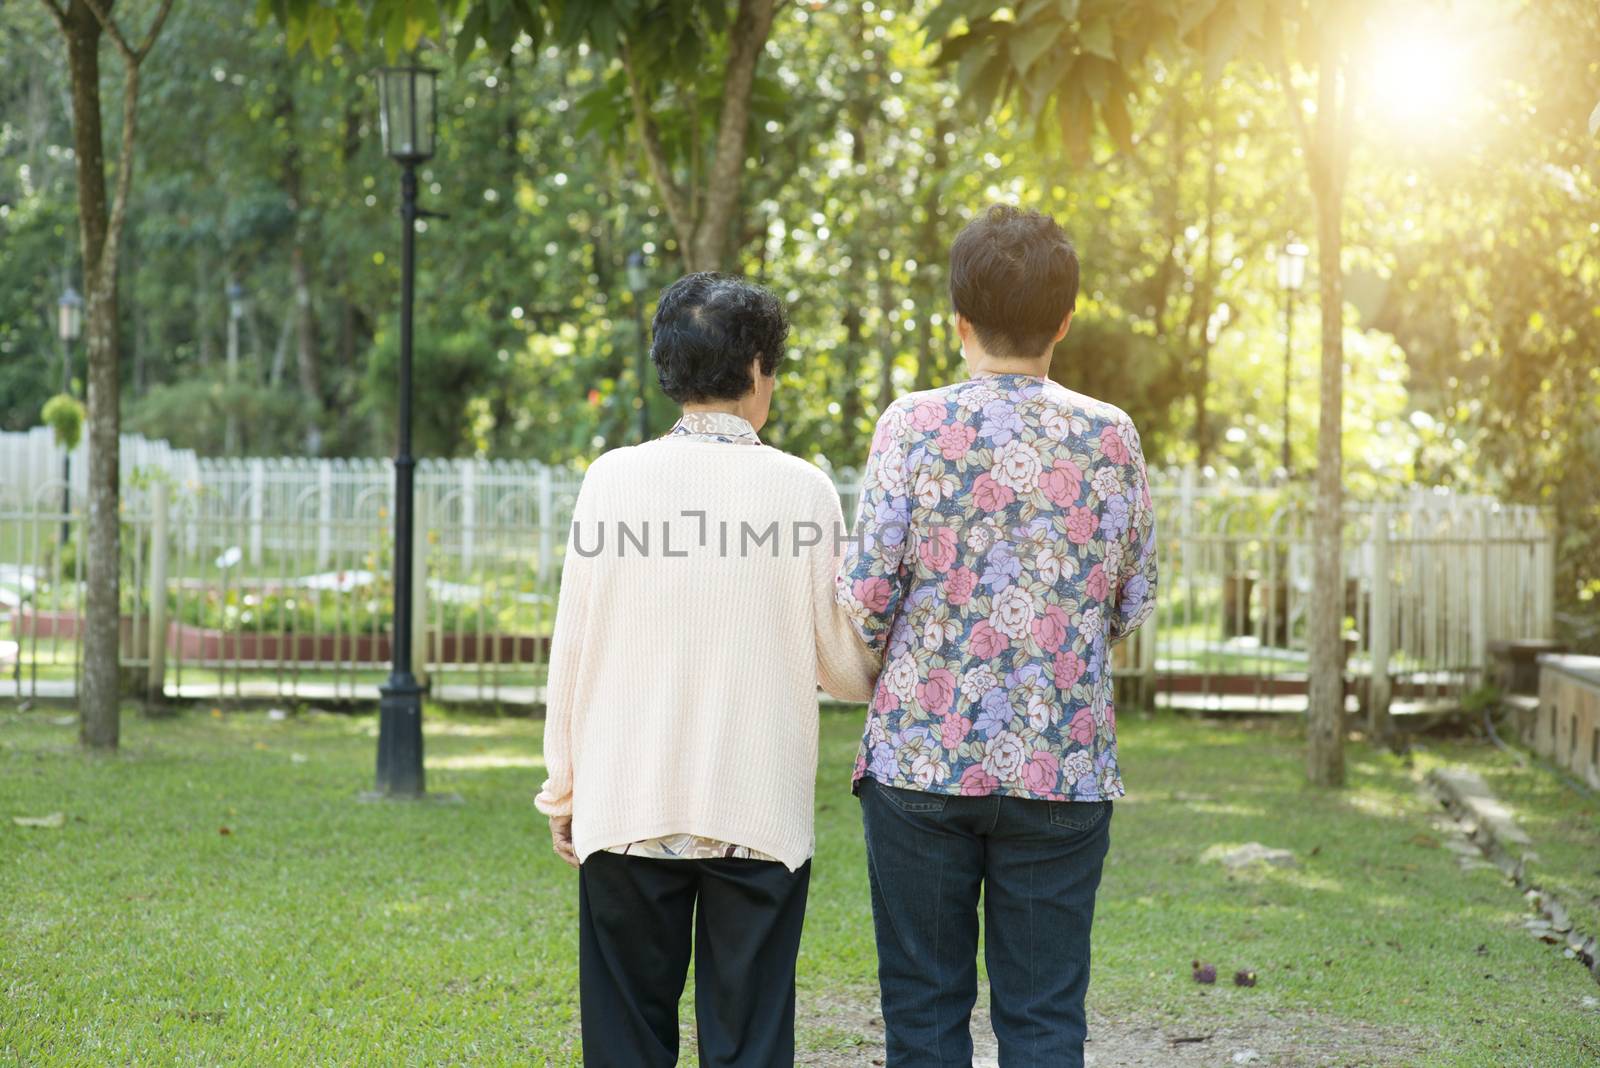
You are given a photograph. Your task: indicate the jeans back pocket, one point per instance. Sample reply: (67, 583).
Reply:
(910, 800)
(1079, 815)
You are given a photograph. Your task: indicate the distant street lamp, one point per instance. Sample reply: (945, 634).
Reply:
(638, 279)
(1291, 276)
(235, 313)
(406, 116)
(69, 328)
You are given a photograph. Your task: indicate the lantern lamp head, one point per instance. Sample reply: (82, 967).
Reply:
(69, 315)
(406, 112)
(638, 276)
(1292, 266)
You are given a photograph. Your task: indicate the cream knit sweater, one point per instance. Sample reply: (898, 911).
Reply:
(696, 620)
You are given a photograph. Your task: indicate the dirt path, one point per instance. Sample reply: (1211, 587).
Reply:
(852, 1033)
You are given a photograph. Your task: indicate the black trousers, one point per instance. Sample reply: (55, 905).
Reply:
(637, 924)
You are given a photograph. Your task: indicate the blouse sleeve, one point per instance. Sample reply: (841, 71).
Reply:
(847, 667)
(1136, 584)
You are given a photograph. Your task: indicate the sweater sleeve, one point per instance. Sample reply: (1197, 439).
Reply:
(847, 667)
(566, 664)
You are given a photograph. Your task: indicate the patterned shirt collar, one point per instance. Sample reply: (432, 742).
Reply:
(715, 426)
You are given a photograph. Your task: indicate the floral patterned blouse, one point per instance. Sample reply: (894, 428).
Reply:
(1005, 539)
(729, 429)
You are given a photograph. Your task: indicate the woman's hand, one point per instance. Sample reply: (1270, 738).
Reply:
(561, 839)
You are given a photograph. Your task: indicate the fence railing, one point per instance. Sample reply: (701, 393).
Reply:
(270, 578)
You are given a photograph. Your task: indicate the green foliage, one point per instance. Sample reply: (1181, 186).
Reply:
(1481, 699)
(64, 414)
(1469, 269)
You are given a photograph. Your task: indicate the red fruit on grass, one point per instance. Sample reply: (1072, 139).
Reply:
(1205, 973)
(1244, 977)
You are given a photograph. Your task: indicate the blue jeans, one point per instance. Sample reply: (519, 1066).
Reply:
(1038, 866)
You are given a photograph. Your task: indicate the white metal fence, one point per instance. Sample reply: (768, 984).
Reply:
(30, 459)
(270, 577)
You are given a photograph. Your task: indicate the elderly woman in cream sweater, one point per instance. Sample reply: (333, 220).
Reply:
(697, 619)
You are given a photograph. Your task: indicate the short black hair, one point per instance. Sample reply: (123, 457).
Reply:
(708, 327)
(1014, 276)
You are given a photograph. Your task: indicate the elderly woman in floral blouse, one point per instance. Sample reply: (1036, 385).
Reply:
(697, 619)
(1006, 540)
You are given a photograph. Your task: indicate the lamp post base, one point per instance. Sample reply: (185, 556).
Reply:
(400, 737)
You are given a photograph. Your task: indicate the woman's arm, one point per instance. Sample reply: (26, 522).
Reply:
(566, 665)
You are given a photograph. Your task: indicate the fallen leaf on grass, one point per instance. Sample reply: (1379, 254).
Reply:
(224, 831)
(55, 821)
(1427, 841)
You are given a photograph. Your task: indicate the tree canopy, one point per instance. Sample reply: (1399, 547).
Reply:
(573, 134)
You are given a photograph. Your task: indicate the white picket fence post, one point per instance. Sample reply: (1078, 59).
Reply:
(1379, 624)
(419, 587)
(157, 670)
(547, 523)
(324, 514)
(258, 505)
(469, 514)
(1478, 570)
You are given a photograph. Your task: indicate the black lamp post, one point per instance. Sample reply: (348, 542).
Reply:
(69, 327)
(638, 279)
(1291, 276)
(406, 115)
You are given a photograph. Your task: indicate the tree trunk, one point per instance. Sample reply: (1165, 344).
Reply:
(280, 352)
(305, 336)
(305, 323)
(98, 724)
(1325, 626)
(930, 256)
(1206, 298)
(704, 213)
(886, 305)
(348, 314)
(747, 40)
(100, 228)
(203, 301)
(1168, 201)
(140, 329)
(855, 244)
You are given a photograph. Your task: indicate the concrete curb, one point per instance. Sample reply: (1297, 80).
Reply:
(1490, 826)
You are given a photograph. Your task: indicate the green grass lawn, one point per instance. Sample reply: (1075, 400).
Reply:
(320, 930)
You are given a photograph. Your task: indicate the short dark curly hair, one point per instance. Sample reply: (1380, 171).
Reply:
(1014, 276)
(708, 327)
